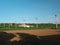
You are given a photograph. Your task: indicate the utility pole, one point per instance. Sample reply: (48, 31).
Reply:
(56, 21)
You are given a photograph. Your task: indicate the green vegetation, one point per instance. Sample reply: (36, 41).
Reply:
(14, 26)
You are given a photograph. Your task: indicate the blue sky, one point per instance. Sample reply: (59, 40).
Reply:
(20, 11)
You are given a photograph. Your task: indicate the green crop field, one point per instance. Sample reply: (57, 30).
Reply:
(15, 26)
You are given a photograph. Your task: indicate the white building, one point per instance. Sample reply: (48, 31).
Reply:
(24, 25)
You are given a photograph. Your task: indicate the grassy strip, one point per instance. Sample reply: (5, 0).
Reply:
(40, 26)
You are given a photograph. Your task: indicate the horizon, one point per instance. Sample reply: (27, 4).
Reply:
(26, 11)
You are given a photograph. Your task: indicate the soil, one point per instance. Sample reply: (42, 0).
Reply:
(30, 37)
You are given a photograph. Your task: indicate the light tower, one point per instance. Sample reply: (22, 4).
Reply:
(56, 21)
(15, 24)
(9, 25)
(36, 22)
(4, 25)
(24, 23)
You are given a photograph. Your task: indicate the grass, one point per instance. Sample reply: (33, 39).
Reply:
(15, 26)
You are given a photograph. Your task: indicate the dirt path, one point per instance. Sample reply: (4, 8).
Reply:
(16, 38)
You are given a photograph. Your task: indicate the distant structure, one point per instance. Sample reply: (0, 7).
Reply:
(56, 21)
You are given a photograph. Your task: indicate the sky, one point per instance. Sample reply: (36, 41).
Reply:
(26, 11)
